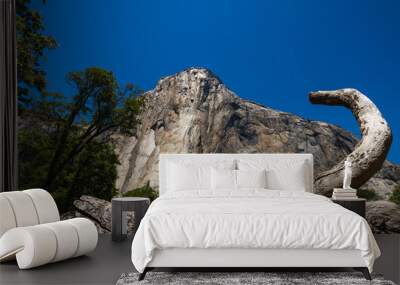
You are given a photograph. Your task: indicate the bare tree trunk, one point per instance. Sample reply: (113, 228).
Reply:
(370, 152)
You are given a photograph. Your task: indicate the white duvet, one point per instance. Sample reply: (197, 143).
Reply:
(250, 219)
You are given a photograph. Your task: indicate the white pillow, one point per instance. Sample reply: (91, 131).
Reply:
(282, 174)
(251, 178)
(223, 179)
(227, 179)
(293, 180)
(181, 177)
(187, 174)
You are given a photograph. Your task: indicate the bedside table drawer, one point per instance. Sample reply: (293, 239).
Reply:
(356, 205)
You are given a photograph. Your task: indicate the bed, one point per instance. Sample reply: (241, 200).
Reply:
(245, 211)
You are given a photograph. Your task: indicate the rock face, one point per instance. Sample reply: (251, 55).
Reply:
(194, 112)
(384, 181)
(383, 217)
(97, 210)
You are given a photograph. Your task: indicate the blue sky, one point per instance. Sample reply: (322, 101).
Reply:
(272, 52)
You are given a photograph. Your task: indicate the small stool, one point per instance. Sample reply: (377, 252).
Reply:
(120, 206)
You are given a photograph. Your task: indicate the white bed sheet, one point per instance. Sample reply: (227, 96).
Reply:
(250, 218)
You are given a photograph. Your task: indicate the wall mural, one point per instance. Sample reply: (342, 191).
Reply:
(105, 139)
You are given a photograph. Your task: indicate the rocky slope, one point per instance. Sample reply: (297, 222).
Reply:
(194, 112)
(98, 211)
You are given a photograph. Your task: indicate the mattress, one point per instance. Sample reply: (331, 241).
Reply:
(250, 219)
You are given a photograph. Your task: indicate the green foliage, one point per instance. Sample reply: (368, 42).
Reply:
(34, 152)
(395, 196)
(96, 172)
(66, 148)
(62, 200)
(145, 191)
(31, 45)
(65, 142)
(99, 107)
(370, 195)
(93, 172)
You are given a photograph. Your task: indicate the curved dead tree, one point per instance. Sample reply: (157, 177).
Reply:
(370, 152)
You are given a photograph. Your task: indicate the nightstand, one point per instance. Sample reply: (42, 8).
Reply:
(357, 205)
(120, 206)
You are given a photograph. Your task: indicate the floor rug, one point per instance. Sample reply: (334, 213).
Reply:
(244, 278)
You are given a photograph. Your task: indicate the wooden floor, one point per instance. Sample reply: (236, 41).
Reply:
(111, 259)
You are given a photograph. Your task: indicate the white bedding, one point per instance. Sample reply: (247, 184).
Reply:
(250, 219)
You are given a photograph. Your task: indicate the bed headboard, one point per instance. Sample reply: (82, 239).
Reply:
(211, 158)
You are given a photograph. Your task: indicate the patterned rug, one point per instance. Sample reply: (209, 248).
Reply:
(243, 278)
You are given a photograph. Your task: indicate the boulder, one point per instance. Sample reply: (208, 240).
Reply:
(97, 210)
(383, 216)
(76, 214)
